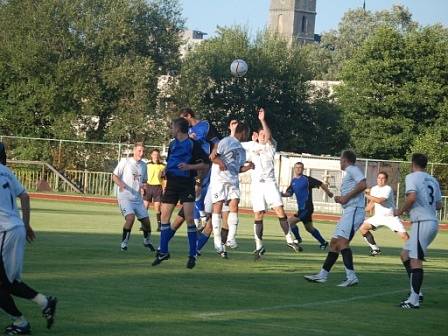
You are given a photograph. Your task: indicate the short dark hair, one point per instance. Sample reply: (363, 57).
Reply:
(386, 175)
(230, 119)
(2, 154)
(155, 150)
(185, 111)
(299, 163)
(241, 127)
(349, 155)
(420, 160)
(182, 124)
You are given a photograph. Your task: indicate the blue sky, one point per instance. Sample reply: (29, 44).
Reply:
(205, 15)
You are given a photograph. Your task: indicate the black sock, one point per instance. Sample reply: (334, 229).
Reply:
(159, 221)
(347, 258)
(22, 290)
(7, 303)
(416, 279)
(407, 266)
(369, 237)
(330, 260)
(259, 229)
(146, 234)
(284, 224)
(126, 234)
(224, 234)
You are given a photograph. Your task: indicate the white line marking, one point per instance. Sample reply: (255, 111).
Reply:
(302, 305)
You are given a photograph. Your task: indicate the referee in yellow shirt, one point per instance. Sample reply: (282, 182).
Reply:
(155, 182)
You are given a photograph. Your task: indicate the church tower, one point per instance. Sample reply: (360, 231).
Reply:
(293, 19)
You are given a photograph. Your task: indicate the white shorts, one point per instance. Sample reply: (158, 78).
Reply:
(136, 208)
(265, 195)
(392, 222)
(421, 235)
(222, 192)
(349, 223)
(12, 246)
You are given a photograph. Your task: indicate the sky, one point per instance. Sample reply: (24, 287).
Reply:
(205, 15)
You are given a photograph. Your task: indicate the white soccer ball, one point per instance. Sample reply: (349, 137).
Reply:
(239, 68)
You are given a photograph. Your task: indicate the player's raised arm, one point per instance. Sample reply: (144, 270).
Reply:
(264, 124)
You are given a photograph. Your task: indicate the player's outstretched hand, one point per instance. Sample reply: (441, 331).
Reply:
(261, 114)
(183, 166)
(30, 235)
(330, 194)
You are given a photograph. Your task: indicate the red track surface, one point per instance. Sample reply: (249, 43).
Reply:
(108, 200)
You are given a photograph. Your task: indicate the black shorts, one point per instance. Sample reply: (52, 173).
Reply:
(154, 193)
(179, 190)
(305, 215)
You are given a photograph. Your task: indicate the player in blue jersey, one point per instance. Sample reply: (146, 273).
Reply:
(423, 199)
(302, 187)
(185, 158)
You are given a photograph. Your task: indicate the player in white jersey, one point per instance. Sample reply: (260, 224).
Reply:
(381, 198)
(14, 231)
(353, 201)
(423, 199)
(224, 185)
(131, 176)
(265, 193)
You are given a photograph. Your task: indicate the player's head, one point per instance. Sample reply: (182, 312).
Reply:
(348, 158)
(381, 178)
(179, 126)
(298, 168)
(2, 154)
(419, 161)
(139, 150)
(262, 136)
(155, 155)
(241, 131)
(188, 114)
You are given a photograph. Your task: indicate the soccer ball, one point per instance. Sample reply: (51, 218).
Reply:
(238, 68)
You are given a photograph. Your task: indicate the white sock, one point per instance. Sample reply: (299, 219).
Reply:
(289, 238)
(197, 222)
(323, 273)
(233, 225)
(216, 224)
(19, 321)
(350, 273)
(372, 246)
(41, 300)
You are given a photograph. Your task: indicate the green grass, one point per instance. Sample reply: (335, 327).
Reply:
(103, 291)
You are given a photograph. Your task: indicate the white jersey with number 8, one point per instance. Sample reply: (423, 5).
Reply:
(428, 194)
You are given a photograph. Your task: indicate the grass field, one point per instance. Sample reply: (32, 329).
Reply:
(103, 291)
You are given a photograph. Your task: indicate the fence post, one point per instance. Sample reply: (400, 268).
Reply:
(85, 184)
(119, 152)
(366, 168)
(398, 195)
(59, 154)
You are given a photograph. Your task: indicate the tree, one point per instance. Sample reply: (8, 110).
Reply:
(395, 88)
(337, 46)
(85, 68)
(277, 80)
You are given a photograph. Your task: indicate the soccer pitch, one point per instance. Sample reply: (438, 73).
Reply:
(103, 291)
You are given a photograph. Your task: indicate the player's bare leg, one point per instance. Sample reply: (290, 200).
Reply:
(283, 221)
(225, 226)
(232, 222)
(369, 239)
(403, 235)
(146, 228)
(127, 228)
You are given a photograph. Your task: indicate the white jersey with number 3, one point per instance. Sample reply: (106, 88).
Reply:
(10, 189)
(428, 194)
